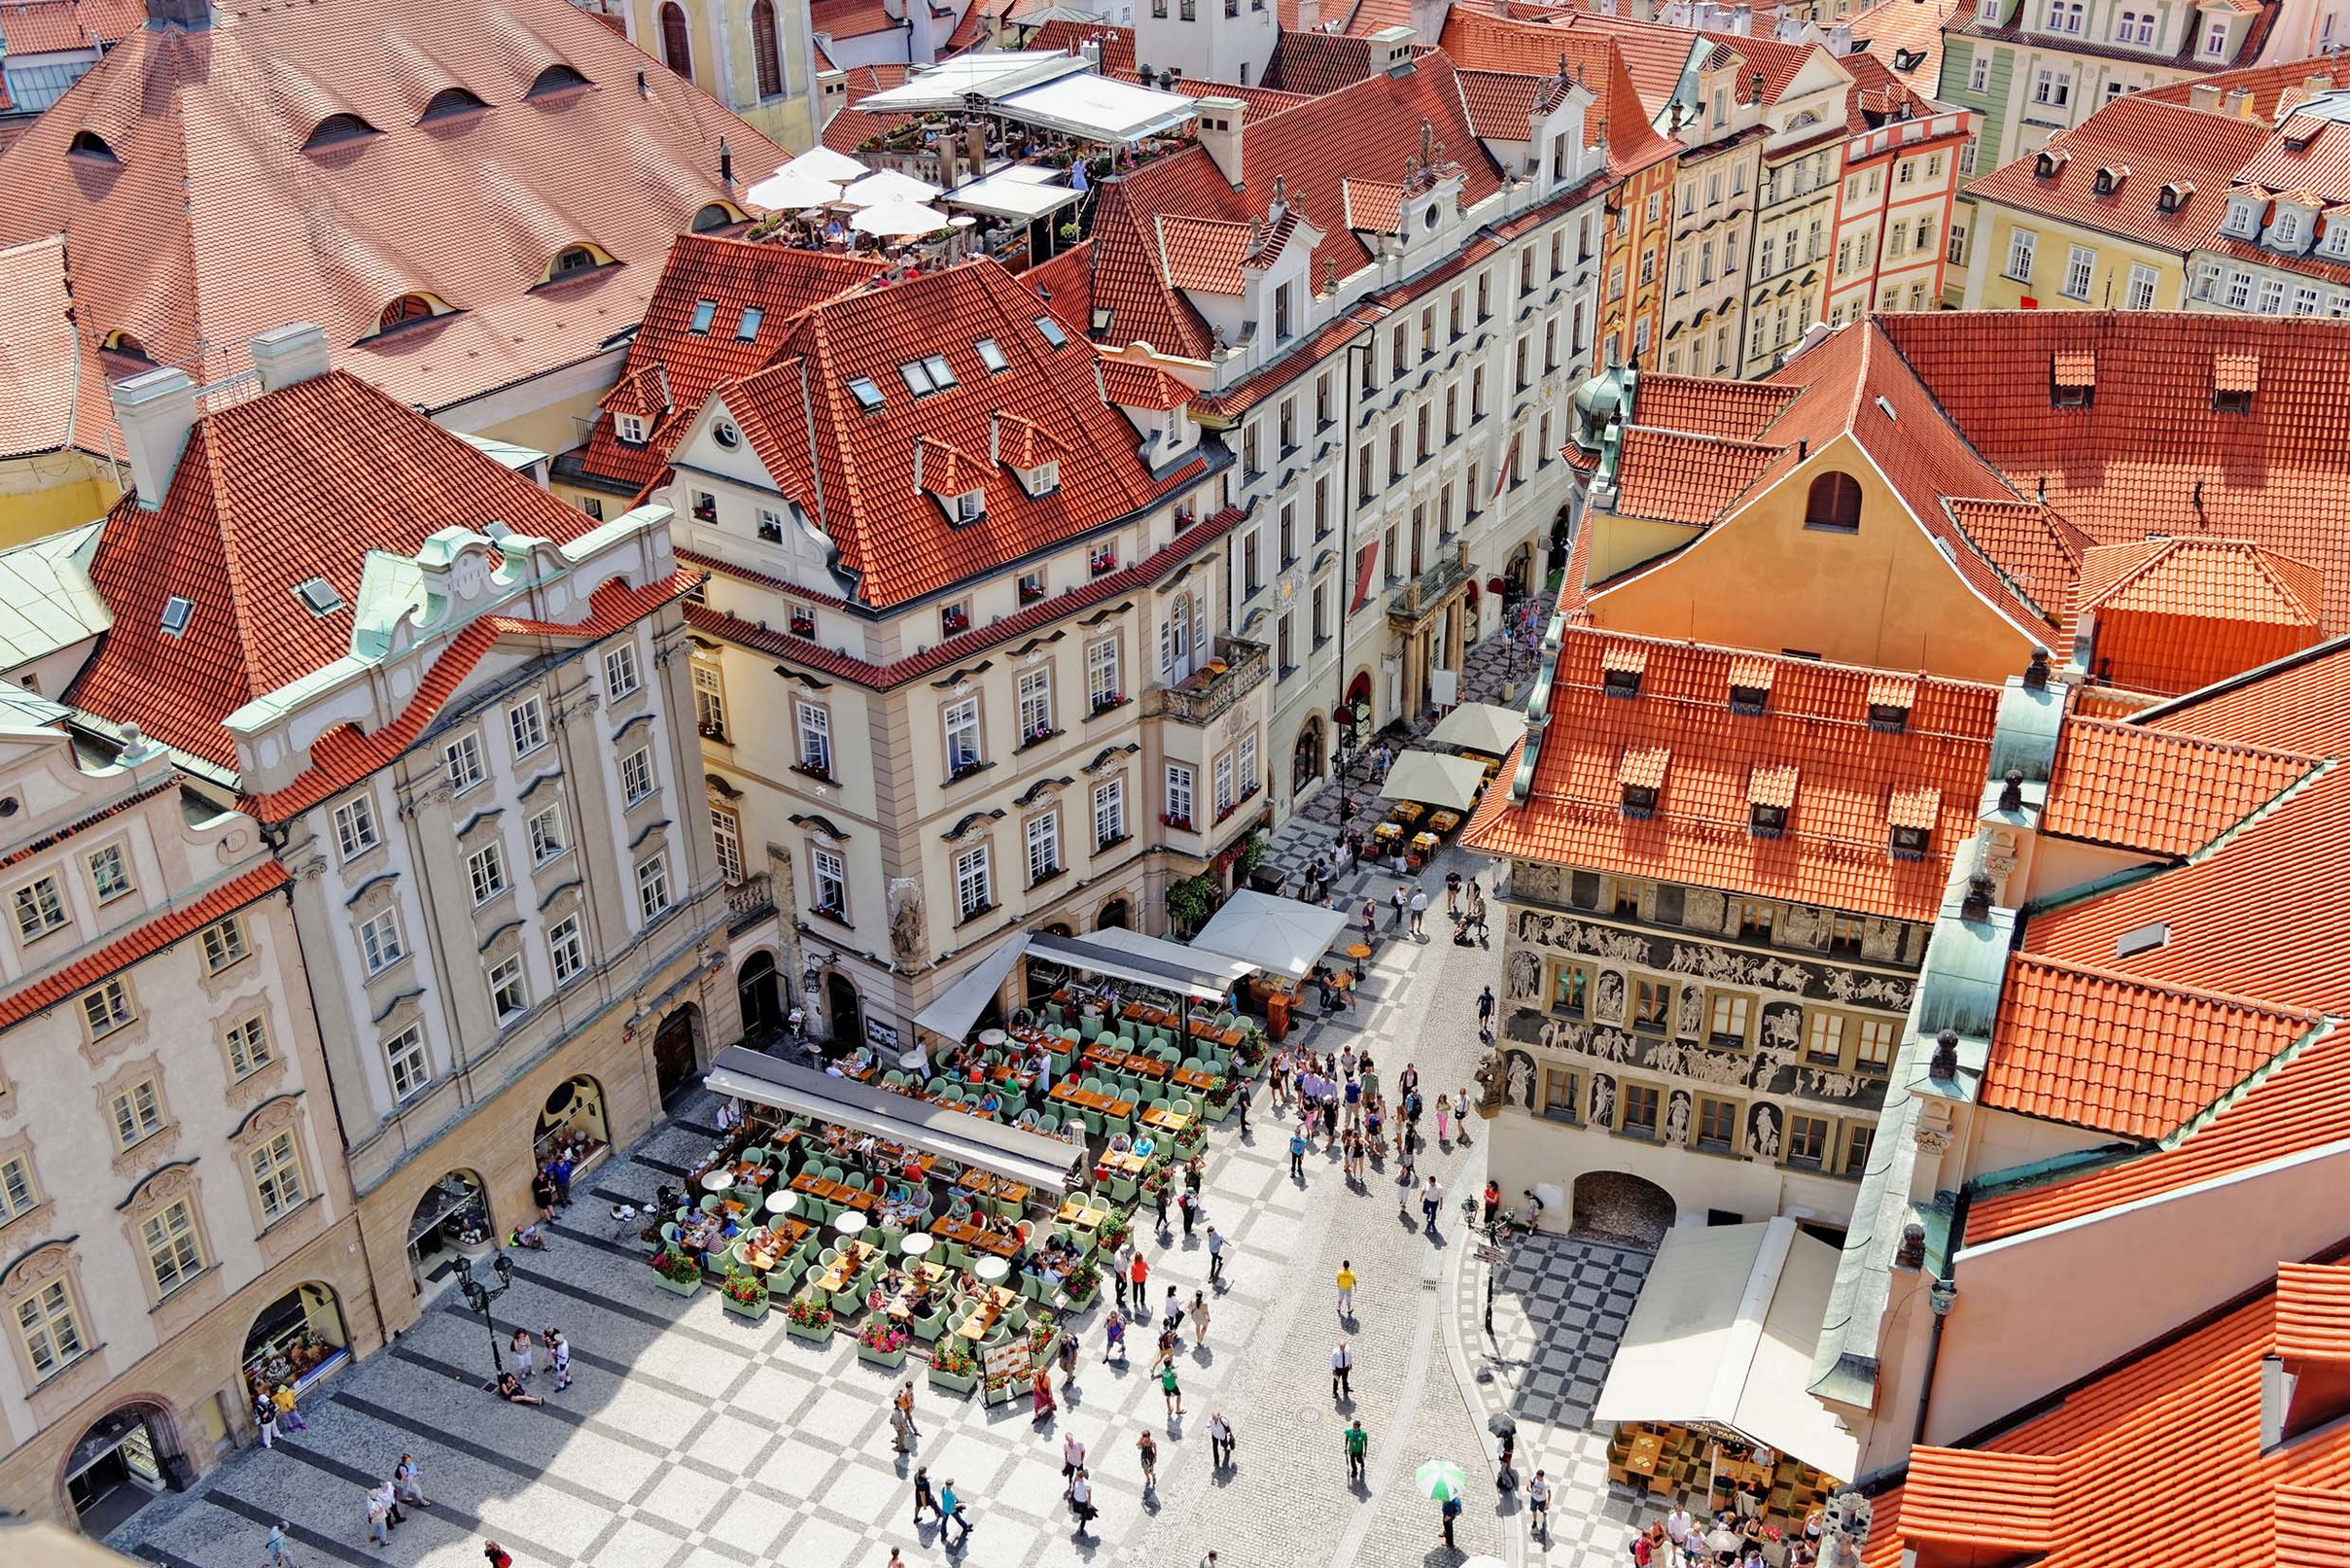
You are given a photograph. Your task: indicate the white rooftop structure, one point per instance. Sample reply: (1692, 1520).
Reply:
(46, 598)
(1042, 87)
(1022, 192)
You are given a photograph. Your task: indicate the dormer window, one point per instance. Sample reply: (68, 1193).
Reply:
(1640, 801)
(1641, 777)
(2244, 216)
(1888, 718)
(868, 396)
(450, 101)
(556, 78)
(2172, 197)
(2337, 237)
(2109, 180)
(1042, 480)
(971, 506)
(2072, 380)
(2215, 39)
(1909, 843)
(630, 428)
(1621, 683)
(1050, 330)
(90, 145)
(956, 619)
(344, 127)
(2235, 377)
(572, 260)
(2286, 232)
(1766, 821)
(2049, 163)
(403, 311)
(1747, 696)
(991, 355)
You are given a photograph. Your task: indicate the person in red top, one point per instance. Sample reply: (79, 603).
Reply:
(1139, 1274)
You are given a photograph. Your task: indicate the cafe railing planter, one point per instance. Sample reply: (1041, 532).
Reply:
(953, 1366)
(807, 1318)
(881, 1343)
(746, 1295)
(677, 1271)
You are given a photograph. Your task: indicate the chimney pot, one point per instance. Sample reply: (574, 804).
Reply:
(1911, 1253)
(1218, 129)
(2035, 674)
(1945, 1066)
(155, 410)
(285, 355)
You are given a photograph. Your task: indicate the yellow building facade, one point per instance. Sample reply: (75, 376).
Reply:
(755, 56)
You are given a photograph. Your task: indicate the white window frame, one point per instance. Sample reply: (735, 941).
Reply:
(173, 1246)
(812, 723)
(1109, 811)
(653, 887)
(2080, 271)
(406, 1066)
(49, 1324)
(1044, 834)
(276, 1171)
(107, 1006)
(526, 725)
(1246, 764)
(567, 950)
(709, 701)
(380, 942)
(509, 988)
(225, 944)
(355, 829)
(636, 776)
(102, 863)
(621, 676)
(41, 908)
(547, 839)
(974, 883)
(248, 1047)
(2139, 294)
(1036, 689)
(138, 1113)
(485, 869)
(726, 838)
(2022, 250)
(965, 747)
(1101, 673)
(462, 757)
(829, 873)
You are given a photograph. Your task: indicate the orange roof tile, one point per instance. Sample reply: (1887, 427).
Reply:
(1753, 672)
(471, 207)
(2235, 372)
(1836, 850)
(1481, 41)
(1913, 806)
(2103, 1050)
(142, 941)
(2038, 549)
(2160, 145)
(1312, 63)
(2303, 701)
(1893, 691)
(2270, 88)
(1687, 478)
(856, 472)
(2157, 791)
(2170, 1431)
(2313, 1312)
(1706, 406)
(1500, 103)
(1907, 36)
(1375, 205)
(1142, 386)
(43, 392)
(1205, 254)
(1772, 784)
(297, 484)
(851, 18)
(2176, 615)
(1644, 767)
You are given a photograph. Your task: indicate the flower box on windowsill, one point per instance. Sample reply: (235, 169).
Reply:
(805, 771)
(1105, 845)
(1038, 882)
(1101, 564)
(1243, 798)
(967, 770)
(976, 911)
(803, 624)
(838, 916)
(716, 734)
(1181, 824)
(1109, 704)
(954, 625)
(1038, 739)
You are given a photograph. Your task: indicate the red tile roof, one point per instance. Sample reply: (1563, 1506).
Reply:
(1704, 405)
(2268, 88)
(1500, 103)
(2160, 144)
(2176, 615)
(1066, 283)
(1655, 54)
(2313, 1312)
(2103, 1050)
(44, 395)
(1897, 30)
(1836, 846)
(1687, 478)
(1260, 103)
(44, 26)
(1203, 254)
(854, 472)
(471, 207)
(1316, 63)
(142, 941)
(2171, 1432)
(2161, 792)
(851, 127)
(2303, 703)
(670, 367)
(297, 484)
(851, 18)
(1142, 386)
(1481, 41)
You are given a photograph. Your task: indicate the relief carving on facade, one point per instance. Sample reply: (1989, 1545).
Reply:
(1763, 1131)
(1603, 1101)
(908, 943)
(1537, 880)
(1881, 939)
(1703, 909)
(1690, 1022)
(1800, 925)
(1676, 1119)
(1524, 976)
(1607, 997)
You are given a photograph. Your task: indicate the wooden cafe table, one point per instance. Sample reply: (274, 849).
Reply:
(984, 1185)
(1159, 1119)
(977, 1238)
(993, 1305)
(832, 1191)
(853, 1256)
(1087, 1099)
(1194, 1079)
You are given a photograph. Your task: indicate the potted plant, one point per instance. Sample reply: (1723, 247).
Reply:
(651, 1235)
(745, 1294)
(1154, 1179)
(1112, 1232)
(995, 1389)
(1219, 1098)
(1080, 1282)
(676, 1271)
(1043, 1333)
(809, 1318)
(953, 1366)
(882, 1341)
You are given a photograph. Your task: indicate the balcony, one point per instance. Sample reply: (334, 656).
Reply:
(1209, 692)
(1421, 597)
(748, 902)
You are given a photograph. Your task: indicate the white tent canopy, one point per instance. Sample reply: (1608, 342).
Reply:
(821, 162)
(1139, 960)
(787, 192)
(1023, 191)
(1276, 934)
(1480, 726)
(1433, 780)
(1046, 87)
(1212, 968)
(954, 1009)
(899, 217)
(887, 186)
(1723, 1335)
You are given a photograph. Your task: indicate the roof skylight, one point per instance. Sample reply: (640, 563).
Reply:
(176, 615)
(748, 328)
(991, 355)
(318, 596)
(868, 396)
(1052, 332)
(705, 311)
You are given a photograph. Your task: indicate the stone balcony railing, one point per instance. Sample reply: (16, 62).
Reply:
(1412, 601)
(1209, 692)
(750, 901)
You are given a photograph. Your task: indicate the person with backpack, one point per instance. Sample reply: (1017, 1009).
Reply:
(1449, 1512)
(496, 1556)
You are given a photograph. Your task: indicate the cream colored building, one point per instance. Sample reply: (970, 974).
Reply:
(755, 56)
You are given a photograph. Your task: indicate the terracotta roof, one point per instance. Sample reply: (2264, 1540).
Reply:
(2033, 544)
(1705, 406)
(671, 368)
(297, 484)
(1142, 386)
(2308, 154)
(471, 207)
(1656, 56)
(1835, 850)
(1260, 103)
(894, 540)
(2172, 1431)
(2157, 792)
(2186, 56)
(44, 393)
(142, 941)
(2152, 456)
(851, 18)
(2270, 88)
(1907, 36)
(1481, 41)
(45, 26)
(1203, 254)
(2176, 615)
(1687, 478)
(1500, 103)
(851, 127)
(2160, 144)
(2303, 701)
(1315, 63)
(2313, 1312)
(971, 29)
(2103, 1050)
(1066, 283)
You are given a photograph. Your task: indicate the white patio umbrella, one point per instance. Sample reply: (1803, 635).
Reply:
(887, 186)
(785, 189)
(899, 218)
(824, 164)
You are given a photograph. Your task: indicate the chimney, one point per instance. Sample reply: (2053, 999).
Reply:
(1218, 129)
(2238, 104)
(2035, 674)
(189, 16)
(1308, 15)
(1427, 20)
(155, 410)
(2203, 96)
(2011, 791)
(285, 355)
(725, 164)
(1090, 51)
(1976, 904)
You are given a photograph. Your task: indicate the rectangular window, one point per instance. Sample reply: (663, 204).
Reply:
(2079, 265)
(1652, 1005)
(620, 672)
(51, 1330)
(1178, 796)
(1561, 1094)
(404, 1057)
(1717, 1125)
(962, 720)
(277, 1177)
(975, 892)
(1043, 847)
(1247, 766)
(486, 867)
(1036, 706)
(247, 1046)
(1109, 812)
(1224, 800)
(1570, 991)
(172, 1254)
(653, 887)
(510, 999)
(1824, 1039)
(1102, 674)
(138, 1113)
(568, 949)
(380, 942)
(16, 1187)
(1859, 1138)
(464, 758)
(708, 703)
(547, 835)
(355, 826)
(1807, 1140)
(829, 882)
(106, 1007)
(39, 908)
(1873, 1047)
(223, 944)
(526, 723)
(636, 774)
(1253, 562)
(1728, 1021)
(2021, 242)
(1637, 1112)
(815, 737)
(726, 838)
(110, 873)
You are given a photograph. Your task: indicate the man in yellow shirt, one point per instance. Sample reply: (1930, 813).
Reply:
(1345, 1289)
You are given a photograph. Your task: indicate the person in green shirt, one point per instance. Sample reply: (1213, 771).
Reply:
(1358, 1443)
(1171, 1389)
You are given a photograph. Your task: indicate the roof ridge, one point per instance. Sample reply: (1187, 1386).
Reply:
(2210, 742)
(2170, 988)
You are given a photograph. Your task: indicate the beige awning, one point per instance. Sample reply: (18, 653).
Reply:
(1433, 780)
(1480, 726)
(1723, 1335)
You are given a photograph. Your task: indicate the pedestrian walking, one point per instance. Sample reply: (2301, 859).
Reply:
(1297, 1155)
(1167, 1349)
(1346, 1287)
(1081, 1501)
(1402, 902)
(1370, 923)
(391, 1504)
(1138, 1274)
(1432, 1199)
(1073, 1456)
(1449, 1512)
(407, 1483)
(1117, 1274)
(1066, 1355)
(1158, 1202)
(1189, 1207)
(1484, 1006)
(273, 1551)
(1420, 912)
(558, 1358)
(1538, 1504)
(1452, 892)
(1215, 1256)
(380, 1513)
(1342, 1372)
(950, 1515)
(1219, 1443)
(1171, 1316)
(1171, 1389)
(1195, 1171)
(1148, 1448)
(924, 1497)
(1444, 1115)
(901, 1431)
(1199, 1319)
(496, 1556)
(1461, 1114)
(1114, 1336)
(264, 1419)
(1240, 1105)
(1358, 1444)
(905, 1405)
(524, 1350)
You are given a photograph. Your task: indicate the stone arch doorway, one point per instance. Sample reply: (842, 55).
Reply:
(1305, 762)
(450, 1222)
(761, 990)
(120, 1464)
(1618, 1207)
(676, 1050)
(572, 1125)
(848, 1010)
(1115, 915)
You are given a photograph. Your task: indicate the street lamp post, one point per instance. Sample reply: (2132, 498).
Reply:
(479, 1296)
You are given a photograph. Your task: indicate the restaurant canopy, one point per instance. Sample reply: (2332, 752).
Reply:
(1049, 88)
(1723, 1335)
(1480, 726)
(1023, 191)
(958, 1007)
(1433, 780)
(1276, 934)
(1041, 1161)
(1142, 960)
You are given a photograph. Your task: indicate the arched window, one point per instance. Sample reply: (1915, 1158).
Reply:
(718, 215)
(90, 144)
(556, 78)
(409, 307)
(339, 128)
(763, 48)
(1833, 503)
(125, 346)
(677, 45)
(449, 101)
(570, 261)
